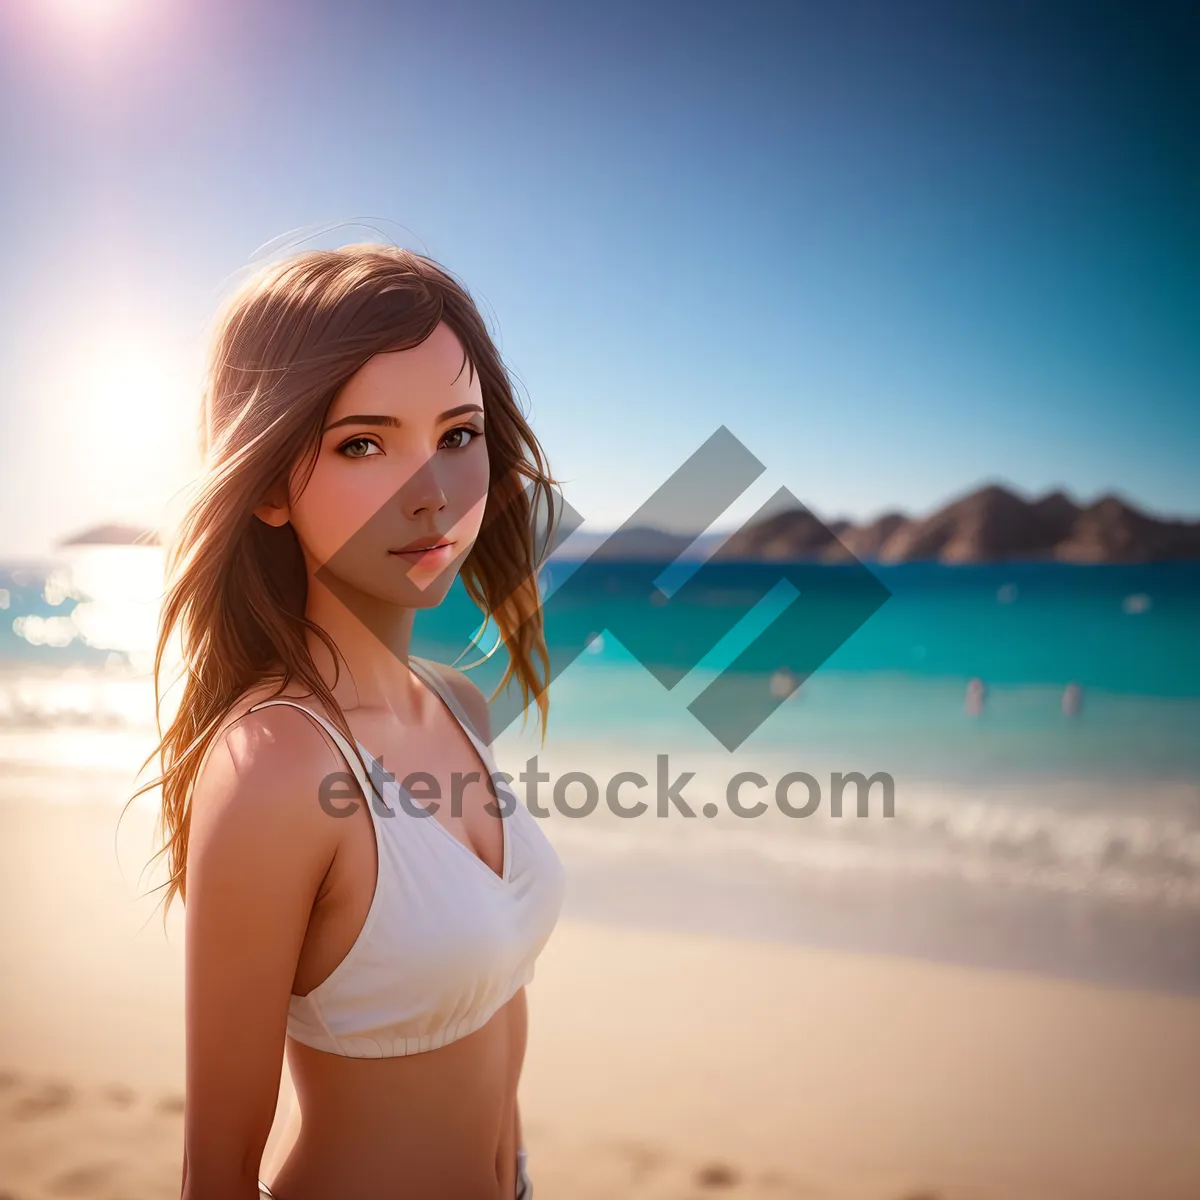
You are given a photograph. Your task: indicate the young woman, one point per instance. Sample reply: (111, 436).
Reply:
(358, 888)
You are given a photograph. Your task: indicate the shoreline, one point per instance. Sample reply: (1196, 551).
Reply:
(900, 889)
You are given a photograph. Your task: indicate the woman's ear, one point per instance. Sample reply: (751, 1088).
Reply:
(274, 509)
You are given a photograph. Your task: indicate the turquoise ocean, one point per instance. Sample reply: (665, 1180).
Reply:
(1041, 829)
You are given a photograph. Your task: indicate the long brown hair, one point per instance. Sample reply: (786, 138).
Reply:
(237, 588)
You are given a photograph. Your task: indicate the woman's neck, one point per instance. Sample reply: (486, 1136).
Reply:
(372, 637)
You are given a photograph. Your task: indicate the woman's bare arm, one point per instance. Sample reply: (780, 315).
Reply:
(260, 846)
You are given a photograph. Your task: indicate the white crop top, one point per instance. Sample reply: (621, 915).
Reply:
(446, 941)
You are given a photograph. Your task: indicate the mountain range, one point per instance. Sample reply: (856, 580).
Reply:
(990, 524)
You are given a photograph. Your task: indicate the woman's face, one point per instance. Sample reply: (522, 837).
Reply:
(402, 462)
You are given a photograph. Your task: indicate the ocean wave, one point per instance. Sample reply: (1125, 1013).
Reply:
(1137, 842)
(76, 697)
(1158, 874)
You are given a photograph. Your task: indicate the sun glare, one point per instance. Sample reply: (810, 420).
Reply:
(118, 418)
(122, 383)
(95, 14)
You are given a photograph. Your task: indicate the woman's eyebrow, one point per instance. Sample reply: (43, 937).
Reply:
(394, 422)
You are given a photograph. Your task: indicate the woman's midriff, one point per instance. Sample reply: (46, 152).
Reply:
(436, 1124)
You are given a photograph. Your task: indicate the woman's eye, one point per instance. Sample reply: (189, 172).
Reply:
(462, 429)
(359, 447)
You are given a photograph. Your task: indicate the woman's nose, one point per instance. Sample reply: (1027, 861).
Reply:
(422, 493)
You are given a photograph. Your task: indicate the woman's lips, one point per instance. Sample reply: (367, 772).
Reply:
(435, 556)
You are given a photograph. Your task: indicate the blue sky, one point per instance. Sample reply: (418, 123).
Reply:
(898, 249)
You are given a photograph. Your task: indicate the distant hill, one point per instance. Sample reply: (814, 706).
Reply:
(990, 524)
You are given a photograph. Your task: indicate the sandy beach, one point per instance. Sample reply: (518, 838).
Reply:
(659, 1064)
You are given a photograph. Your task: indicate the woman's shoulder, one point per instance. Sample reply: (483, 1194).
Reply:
(264, 754)
(264, 783)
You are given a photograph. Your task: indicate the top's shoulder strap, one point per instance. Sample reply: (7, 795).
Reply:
(349, 753)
